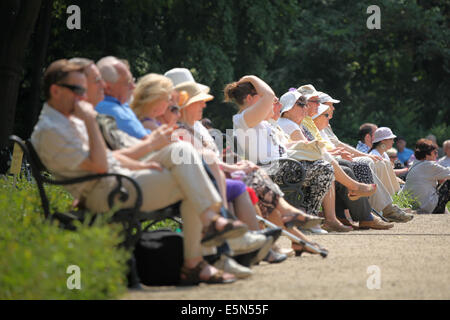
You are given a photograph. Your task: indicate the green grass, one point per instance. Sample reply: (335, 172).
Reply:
(35, 254)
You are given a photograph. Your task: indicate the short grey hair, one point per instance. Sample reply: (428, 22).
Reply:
(107, 67)
(446, 144)
(82, 62)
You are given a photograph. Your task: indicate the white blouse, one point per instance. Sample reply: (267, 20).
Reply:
(258, 144)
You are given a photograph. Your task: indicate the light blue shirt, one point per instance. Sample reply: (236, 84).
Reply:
(404, 155)
(125, 117)
(362, 147)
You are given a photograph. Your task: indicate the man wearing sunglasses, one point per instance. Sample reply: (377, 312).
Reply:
(70, 144)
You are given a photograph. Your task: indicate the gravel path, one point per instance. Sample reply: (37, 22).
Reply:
(413, 260)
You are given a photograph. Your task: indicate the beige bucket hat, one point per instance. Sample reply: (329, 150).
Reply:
(192, 93)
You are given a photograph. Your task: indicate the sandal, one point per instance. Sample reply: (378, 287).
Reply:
(191, 276)
(356, 194)
(213, 237)
(309, 222)
(298, 252)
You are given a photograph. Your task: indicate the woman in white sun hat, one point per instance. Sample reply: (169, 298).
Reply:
(383, 141)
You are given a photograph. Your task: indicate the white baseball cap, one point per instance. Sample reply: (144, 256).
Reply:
(383, 133)
(182, 75)
(288, 100)
(322, 108)
(326, 98)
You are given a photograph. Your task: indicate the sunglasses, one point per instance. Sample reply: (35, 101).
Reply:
(314, 101)
(300, 104)
(174, 109)
(79, 91)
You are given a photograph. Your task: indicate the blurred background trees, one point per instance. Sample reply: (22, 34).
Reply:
(397, 76)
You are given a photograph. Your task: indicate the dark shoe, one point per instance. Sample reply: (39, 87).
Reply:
(322, 251)
(214, 237)
(245, 259)
(275, 233)
(309, 221)
(274, 257)
(192, 276)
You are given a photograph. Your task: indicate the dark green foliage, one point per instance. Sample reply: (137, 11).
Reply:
(397, 76)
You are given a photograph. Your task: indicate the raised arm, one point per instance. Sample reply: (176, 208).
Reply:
(259, 110)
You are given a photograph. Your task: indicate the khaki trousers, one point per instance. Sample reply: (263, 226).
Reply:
(386, 181)
(187, 182)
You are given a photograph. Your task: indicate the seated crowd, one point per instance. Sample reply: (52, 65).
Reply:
(96, 119)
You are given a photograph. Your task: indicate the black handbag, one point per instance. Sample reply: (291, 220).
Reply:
(159, 257)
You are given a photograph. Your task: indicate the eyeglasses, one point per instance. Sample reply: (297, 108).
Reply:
(79, 91)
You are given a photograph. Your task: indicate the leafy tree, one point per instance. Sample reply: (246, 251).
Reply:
(396, 76)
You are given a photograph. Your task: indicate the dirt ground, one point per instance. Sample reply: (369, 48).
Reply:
(413, 259)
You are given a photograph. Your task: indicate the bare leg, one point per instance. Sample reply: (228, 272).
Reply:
(208, 216)
(286, 210)
(329, 205)
(329, 209)
(352, 185)
(276, 218)
(285, 207)
(245, 211)
(219, 175)
(207, 271)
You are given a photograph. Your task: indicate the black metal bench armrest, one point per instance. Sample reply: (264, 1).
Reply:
(299, 176)
(118, 190)
(38, 170)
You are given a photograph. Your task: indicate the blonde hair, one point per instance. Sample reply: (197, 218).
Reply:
(392, 152)
(150, 88)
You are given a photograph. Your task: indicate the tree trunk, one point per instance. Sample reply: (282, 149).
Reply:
(20, 17)
(40, 45)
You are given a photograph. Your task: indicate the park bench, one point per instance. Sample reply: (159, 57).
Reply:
(290, 185)
(131, 218)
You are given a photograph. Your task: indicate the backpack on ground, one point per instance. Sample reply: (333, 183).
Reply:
(159, 257)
